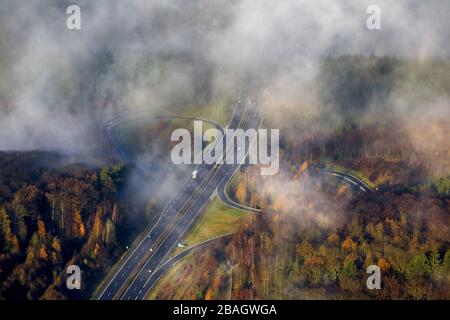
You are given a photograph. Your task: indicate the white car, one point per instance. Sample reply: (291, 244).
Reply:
(194, 174)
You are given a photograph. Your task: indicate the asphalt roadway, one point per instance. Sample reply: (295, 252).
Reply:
(177, 216)
(145, 279)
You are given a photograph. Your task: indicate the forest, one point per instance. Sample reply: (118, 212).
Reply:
(405, 234)
(318, 242)
(55, 213)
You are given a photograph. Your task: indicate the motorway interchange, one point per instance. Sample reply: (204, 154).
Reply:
(149, 259)
(140, 270)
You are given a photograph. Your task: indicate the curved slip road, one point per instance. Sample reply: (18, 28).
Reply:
(222, 194)
(355, 183)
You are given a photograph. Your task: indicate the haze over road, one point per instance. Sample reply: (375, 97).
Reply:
(179, 214)
(145, 279)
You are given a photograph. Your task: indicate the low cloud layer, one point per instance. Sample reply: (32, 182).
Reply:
(57, 85)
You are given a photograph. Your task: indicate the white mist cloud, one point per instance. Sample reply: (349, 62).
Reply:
(58, 85)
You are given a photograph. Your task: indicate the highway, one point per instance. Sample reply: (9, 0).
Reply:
(145, 279)
(177, 216)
